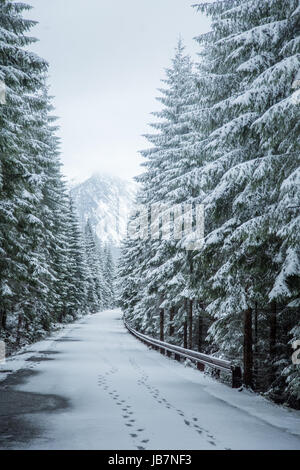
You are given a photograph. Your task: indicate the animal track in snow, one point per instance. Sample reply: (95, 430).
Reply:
(155, 393)
(126, 409)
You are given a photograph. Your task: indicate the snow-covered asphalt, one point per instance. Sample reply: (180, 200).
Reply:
(97, 387)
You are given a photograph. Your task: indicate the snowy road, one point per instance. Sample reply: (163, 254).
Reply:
(97, 387)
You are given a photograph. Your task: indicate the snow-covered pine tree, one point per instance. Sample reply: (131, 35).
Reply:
(164, 272)
(131, 277)
(251, 256)
(77, 268)
(243, 165)
(105, 286)
(95, 294)
(109, 276)
(24, 271)
(35, 254)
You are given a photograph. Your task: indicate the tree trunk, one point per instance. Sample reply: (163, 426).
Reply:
(185, 334)
(161, 325)
(171, 327)
(255, 360)
(256, 326)
(273, 328)
(248, 348)
(3, 319)
(20, 322)
(200, 332)
(190, 324)
(273, 334)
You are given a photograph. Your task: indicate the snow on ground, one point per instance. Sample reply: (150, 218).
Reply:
(95, 386)
(20, 359)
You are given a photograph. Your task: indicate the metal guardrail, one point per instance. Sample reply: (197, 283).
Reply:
(202, 360)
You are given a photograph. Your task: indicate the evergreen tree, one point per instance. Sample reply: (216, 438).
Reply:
(41, 274)
(167, 182)
(109, 276)
(250, 59)
(232, 144)
(77, 268)
(95, 298)
(24, 271)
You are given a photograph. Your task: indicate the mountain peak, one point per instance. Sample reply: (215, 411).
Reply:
(106, 201)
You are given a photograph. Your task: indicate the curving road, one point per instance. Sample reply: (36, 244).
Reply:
(97, 387)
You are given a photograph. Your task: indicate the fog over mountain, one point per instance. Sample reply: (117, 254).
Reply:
(106, 202)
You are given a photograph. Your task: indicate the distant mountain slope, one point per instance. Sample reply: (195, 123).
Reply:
(106, 201)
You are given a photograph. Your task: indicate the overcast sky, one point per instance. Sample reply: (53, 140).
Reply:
(106, 60)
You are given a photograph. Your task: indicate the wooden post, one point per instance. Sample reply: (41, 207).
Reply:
(185, 334)
(162, 333)
(190, 344)
(200, 366)
(248, 352)
(236, 377)
(177, 357)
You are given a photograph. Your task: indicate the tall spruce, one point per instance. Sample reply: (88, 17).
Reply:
(250, 60)
(166, 184)
(239, 156)
(41, 267)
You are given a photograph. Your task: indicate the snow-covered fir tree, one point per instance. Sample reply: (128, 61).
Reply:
(167, 181)
(250, 60)
(43, 266)
(95, 275)
(109, 276)
(230, 142)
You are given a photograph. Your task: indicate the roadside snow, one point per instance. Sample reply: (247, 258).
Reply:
(19, 360)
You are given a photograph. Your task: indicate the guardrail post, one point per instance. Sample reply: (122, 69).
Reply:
(162, 328)
(177, 357)
(236, 377)
(200, 366)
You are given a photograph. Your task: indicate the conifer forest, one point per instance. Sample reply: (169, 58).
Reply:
(224, 139)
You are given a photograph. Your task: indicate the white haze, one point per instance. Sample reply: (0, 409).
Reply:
(106, 61)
